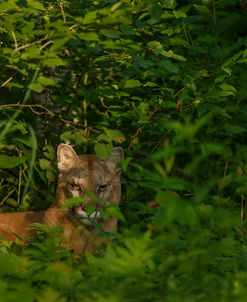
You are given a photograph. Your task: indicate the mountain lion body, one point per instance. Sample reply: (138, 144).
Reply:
(96, 181)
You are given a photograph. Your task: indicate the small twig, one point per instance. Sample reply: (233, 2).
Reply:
(15, 40)
(7, 81)
(101, 98)
(133, 138)
(182, 89)
(73, 26)
(46, 44)
(226, 168)
(62, 11)
(29, 107)
(33, 43)
(6, 197)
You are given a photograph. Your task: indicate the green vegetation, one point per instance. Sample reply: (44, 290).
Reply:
(165, 80)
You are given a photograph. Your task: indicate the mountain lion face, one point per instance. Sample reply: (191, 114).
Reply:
(95, 181)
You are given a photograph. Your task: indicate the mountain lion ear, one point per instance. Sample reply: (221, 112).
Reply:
(66, 157)
(117, 154)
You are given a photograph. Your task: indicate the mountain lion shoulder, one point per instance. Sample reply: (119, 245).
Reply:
(95, 180)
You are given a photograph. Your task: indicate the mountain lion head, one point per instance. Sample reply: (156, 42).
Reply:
(95, 180)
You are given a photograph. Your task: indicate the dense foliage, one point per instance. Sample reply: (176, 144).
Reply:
(166, 80)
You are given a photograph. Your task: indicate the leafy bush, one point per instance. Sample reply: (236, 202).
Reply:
(165, 80)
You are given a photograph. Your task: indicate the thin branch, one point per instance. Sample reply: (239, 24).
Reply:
(33, 43)
(31, 107)
(46, 44)
(7, 81)
(73, 26)
(133, 138)
(62, 11)
(182, 89)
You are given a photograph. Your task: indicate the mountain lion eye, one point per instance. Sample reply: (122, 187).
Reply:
(74, 186)
(101, 188)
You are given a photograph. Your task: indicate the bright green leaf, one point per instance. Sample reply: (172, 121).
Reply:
(132, 83)
(37, 87)
(46, 81)
(9, 162)
(101, 150)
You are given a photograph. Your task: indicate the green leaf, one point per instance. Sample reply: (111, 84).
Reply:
(44, 164)
(228, 89)
(9, 162)
(169, 66)
(151, 84)
(171, 54)
(12, 202)
(101, 150)
(46, 81)
(132, 83)
(179, 14)
(37, 87)
(89, 17)
(12, 265)
(114, 212)
(9, 5)
(115, 135)
(202, 9)
(56, 61)
(36, 5)
(74, 201)
(127, 29)
(110, 33)
(89, 36)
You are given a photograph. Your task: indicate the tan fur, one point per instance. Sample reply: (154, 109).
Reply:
(78, 175)
(17, 225)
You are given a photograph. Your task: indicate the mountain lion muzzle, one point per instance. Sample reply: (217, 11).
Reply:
(95, 181)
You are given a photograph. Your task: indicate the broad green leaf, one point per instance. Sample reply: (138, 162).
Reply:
(12, 202)
(37, 87)
(89, 36)
(12, 265)
(127, 29)
(115, 135)
(44, 164)
(151, 84)
(9, 162)
(89, 17)
(202, 9)
(170, 66)
(171, 54)
(36, 5)
(26, 141)
(114, 212)
(110, 33)
(101, 150)
(46, 81)
(179, 14)
(74, 201)
(49, 152)
(56, 61)
(9, 5)
(132, 83)
(228, 88)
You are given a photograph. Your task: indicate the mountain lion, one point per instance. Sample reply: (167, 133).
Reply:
(95, 180)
